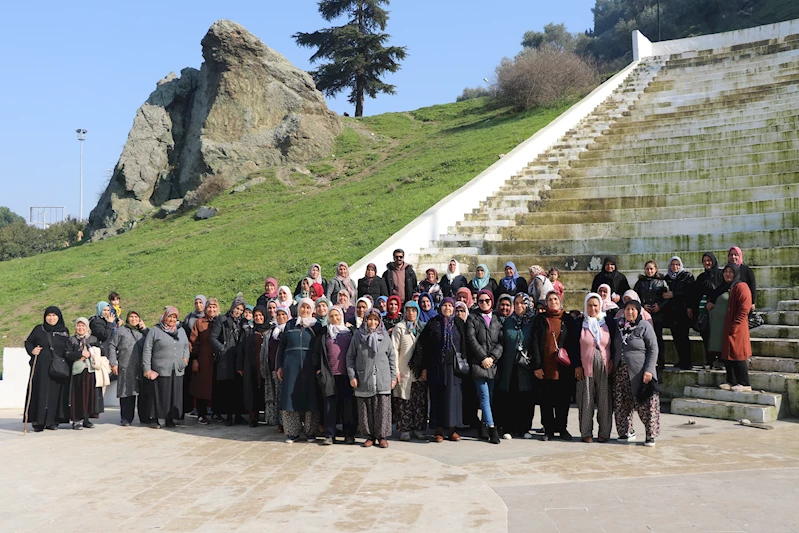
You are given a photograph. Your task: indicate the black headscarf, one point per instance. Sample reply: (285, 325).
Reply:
(724, 286)
(713, 277)
(60, 327)
(260, 328)
(628, 327)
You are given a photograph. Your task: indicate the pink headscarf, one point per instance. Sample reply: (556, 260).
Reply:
(347, 282)
(169, 310)
(607, 303)
(740, 255)
(468, 294)
(272, 294)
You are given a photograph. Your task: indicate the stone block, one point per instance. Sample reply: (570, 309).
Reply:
(723, 410)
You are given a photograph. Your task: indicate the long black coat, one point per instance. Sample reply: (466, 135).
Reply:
(521, 286)
(617, 281)
(491, 286)
(682, 286)
(226, 334)
(483, 341)
(249, 362)
(102, 329)
(450, 288)
(49, 398)
(431, 342)
(376, 288)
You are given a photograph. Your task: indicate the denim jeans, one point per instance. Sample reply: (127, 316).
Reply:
(485, 393)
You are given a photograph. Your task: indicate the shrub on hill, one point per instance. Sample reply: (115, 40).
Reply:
(20, 240)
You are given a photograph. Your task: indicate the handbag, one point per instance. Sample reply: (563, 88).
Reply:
(523, 359)
(563, 355)
(702, 322)
(460, 365)
(755, 320)
(59, 369)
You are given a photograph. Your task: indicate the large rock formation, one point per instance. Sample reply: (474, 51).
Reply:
(246, 109)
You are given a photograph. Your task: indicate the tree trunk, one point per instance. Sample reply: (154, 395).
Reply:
(359, 96)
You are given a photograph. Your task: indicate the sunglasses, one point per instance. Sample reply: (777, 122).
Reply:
(399, 257)
(483, 300)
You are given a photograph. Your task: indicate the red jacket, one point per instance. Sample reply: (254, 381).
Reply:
(736, 344)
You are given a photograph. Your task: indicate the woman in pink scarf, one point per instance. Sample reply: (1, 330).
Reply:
(341, 282)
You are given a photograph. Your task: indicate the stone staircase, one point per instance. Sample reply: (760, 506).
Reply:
(695, 152)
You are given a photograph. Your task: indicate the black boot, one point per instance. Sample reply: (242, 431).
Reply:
(482, 434)
(493, 435)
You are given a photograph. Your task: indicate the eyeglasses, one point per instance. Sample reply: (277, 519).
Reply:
(399, 257)
(484, 301)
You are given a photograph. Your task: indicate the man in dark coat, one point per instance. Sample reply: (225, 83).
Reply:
(400, 278)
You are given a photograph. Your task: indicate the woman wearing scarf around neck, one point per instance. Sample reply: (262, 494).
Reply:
(514, 400)
(512, 283)
(595, 337)
(551, 329)
(635, 358)
(392, 316)
(283, 299)
(651, 286)
(48, 397)
(504, 307)
(729, 328)
(86, 400)
(372, 284)
(330, 363)
(440, 339)
(372, 370)
(539, 287)
(409, 402)
(382, 305)
(430, 285)
(482, 280)
(202, 360)
(124, 355)
(484, 348)
(248, 365)
(303, 289)
(341, 282)
(610, 275)
(314, 276)
(270, 292)
(165, 356)
(345, 304)
(470, 402)
(736, 256)
(361, 306)
(452, 280)
(461, 311)
(321, 308)
(426, 308)
(295, 369)
(706, 283)
(465, 295)
(273, 412)
(678, 315)
(626, 297)
(226, 336)
(608, 305)
(317, 291)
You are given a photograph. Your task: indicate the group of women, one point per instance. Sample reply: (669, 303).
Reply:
(368, 355)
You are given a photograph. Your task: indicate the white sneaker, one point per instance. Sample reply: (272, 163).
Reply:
(406, 436)
(649, 442)
(725, 386)
(628, 438)
(507, 436)
(528, 435)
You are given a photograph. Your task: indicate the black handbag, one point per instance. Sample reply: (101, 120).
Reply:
(755, 320)
(702, 322)
(523, 359)
(460, 365)
(59, 368)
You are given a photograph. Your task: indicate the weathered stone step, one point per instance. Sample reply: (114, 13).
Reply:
(754, 397)
(760, 131)
(669, 80)
(782, 318)
(773, 364)
(720, 59)
(680, 123)
(723, 410)
(782, 88)
(780, 348)
(697, 130)
(775, 332)
(711, 91)
(788, 305)
(698, 169)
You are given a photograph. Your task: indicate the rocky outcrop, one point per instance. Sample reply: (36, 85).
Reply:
(246, 109)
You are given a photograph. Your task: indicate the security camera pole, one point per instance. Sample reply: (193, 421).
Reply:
(81, 137)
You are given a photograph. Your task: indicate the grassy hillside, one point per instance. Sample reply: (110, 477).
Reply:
(385, 171)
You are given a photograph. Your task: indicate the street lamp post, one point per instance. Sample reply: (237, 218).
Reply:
(81, 137)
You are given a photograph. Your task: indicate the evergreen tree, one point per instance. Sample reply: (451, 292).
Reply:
(357, 52)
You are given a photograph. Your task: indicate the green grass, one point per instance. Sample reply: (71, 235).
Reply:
(386, 170)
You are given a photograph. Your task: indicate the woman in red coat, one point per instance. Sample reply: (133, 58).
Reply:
(202, 360)
(736, 348)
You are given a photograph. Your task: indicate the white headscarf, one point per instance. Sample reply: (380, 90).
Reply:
(305, 322)
(285, 303)
(593, 323)
(315, 280)
(334, 330)
(671, 274)
(452, 275)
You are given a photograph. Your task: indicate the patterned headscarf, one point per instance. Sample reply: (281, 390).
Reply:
(373, 337)
(169, 310)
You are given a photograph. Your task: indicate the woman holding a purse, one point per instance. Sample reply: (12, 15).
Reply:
(552, 366)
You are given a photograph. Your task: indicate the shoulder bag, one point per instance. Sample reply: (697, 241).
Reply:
(563, 355)
(59, 368)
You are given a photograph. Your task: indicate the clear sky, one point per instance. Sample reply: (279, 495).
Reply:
(91, 64)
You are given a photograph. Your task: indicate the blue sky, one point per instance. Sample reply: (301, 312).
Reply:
(91, 64)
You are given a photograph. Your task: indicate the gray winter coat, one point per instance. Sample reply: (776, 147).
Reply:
(640, 353)
(164, 352)
(483, 341)
(334, 286)
(374, 370)
(125, 350)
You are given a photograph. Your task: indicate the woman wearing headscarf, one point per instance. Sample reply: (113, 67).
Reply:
(317, 291)
(651, 286)
(284, 298)
(345, 304)
(382, 305)
(465, 295)
(426, 308)
(626, 297)
(514, 403)
(47, 398)
(504, 307)
(372, 284)
(409, 402)
(330, 362)
(595, 337)
(736, 256)
(248, 365)
(226, 336)
(315, 275)
(393, 315)
(482, 280)
(635, 358)
(512, 284)
(270, 292)
(539, 287)
(165, 355)
(273, 411)
(736, 347)
(296, 371)
(608, 305)
(361, 306)
(720, 313)
(461, 311)
(677, 311)
(372, 370)
(706, 283)
(86, 400)
(551, 329)
(103, 323)
(202, 360)
(342, 282)
(430, 285)
(452, 280)
(484, 348)
(303, 289)
(271, 313)
(124, 355)
(440, 339)
(200, 301)
(321, 308)
(616, 280)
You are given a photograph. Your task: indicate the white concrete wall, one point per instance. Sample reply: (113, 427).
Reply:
(451, 209)
(16, 372)
(721, 40)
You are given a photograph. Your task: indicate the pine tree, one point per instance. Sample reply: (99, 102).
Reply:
(357, 52)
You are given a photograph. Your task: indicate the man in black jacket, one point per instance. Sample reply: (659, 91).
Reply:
(400, 277)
